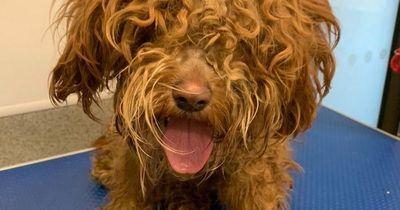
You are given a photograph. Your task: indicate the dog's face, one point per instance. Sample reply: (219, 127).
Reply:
(199, 80)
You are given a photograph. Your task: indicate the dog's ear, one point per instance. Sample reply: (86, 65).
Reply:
(318, 34)
(102, 37)
(298, 43)
(100, 41)
(81, 68)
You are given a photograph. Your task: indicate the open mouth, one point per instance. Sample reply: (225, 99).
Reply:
(189, 142)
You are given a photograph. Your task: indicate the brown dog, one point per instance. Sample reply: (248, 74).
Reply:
(208, 95)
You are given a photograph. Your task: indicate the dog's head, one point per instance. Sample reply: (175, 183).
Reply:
(200, 80)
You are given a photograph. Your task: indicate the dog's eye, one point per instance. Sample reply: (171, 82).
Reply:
(162, 5)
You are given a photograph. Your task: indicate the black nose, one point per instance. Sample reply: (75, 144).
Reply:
(191, 101)
(189, 104)
(191, 96)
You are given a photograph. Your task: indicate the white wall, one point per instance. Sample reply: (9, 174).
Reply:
(362, 57)
(27, 53)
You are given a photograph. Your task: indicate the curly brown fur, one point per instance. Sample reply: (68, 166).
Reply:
(264, 66)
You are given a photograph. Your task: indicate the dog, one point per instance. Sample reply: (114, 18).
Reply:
(208, 95)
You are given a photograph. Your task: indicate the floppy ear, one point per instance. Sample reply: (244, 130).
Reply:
(81, 68)
(319, 34)
(315, 78)
(299, 39)
(102, 38)
(88, 60)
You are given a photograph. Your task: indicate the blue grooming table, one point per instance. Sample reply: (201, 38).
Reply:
(347, 166)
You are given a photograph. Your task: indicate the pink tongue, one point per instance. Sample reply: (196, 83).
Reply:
(191, 141)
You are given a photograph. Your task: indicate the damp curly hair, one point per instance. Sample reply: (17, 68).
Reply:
(267, 63)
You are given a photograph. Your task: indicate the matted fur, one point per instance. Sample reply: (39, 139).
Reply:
(268, 63)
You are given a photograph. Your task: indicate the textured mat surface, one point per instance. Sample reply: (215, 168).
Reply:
(60, 184)
(346, 167)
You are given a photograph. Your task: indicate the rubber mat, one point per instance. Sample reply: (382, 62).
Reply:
(60, 184)
(347, 166)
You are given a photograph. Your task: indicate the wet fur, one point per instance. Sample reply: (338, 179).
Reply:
(268, 62)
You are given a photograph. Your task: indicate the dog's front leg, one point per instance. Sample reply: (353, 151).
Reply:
(122, 201)
(116, 168)
(259, 183)
(126, 194)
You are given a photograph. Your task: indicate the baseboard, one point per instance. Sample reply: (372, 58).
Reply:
(39, 105)
(32, 106)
